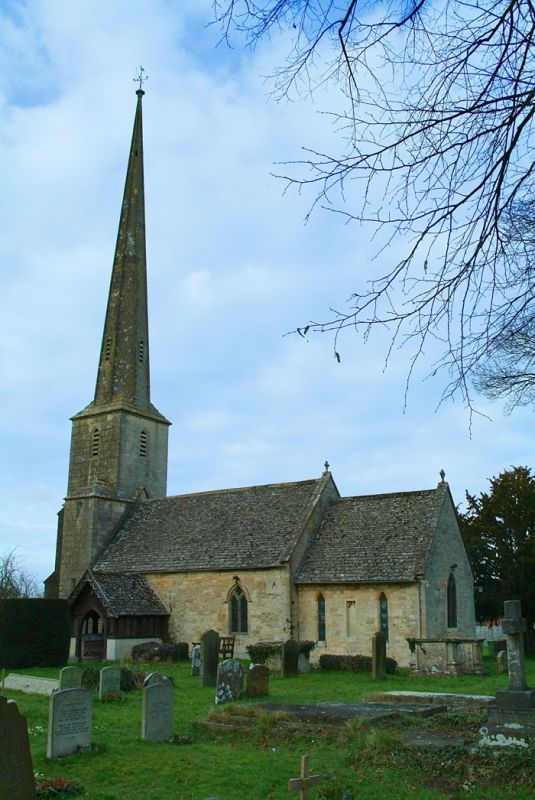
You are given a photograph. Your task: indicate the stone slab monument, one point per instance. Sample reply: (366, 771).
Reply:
(257, 682)
(109, 681)
(511, 719)
(157, 710)
(70, 716)
(196, 660)
(378, 655)
(16, 770)
(209, 657)
(290, 659)
(70, 678)
(229, 685)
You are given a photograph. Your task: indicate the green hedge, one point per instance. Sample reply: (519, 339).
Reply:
(353, 663)
(34, 633)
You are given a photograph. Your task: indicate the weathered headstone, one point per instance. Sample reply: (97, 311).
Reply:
(257, 680)
(70, 678)
(16, 770)
(290, 659)
(511, 719)
(196, 660)
(378, 655)
(501, 662)
(157, 710)
(109, 681)
(69, 722)
(229, 686)
(209, 657)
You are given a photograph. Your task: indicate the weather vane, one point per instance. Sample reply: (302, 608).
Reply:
(141, 78)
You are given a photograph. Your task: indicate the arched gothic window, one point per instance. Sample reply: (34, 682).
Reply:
(321, 618)
(452, 602)
(238, 622)
(95, 442)
(383, 614)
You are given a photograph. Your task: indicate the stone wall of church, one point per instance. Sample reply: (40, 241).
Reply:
(198, 601)
(448, 556)
(352, 617)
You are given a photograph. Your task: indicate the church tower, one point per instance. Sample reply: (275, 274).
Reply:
(119, 441)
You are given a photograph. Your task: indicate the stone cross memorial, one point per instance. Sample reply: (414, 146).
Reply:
(109, 681)
(70, 678)
(511, 719)
(16, 770)
(70, 716)
(196, 660)
(229, 685)
(290, 659)
(157, 711)
(209, 657)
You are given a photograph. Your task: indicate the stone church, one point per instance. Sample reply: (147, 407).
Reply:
(260, 562)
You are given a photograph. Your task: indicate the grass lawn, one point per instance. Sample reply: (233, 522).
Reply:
(256, 762)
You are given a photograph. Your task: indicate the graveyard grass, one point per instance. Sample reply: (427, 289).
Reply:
(256, 761)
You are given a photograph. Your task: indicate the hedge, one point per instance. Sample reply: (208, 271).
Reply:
(353, 663)
(260, 652)
(34, 632)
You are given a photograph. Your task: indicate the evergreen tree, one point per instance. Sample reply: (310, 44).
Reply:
(499, 532)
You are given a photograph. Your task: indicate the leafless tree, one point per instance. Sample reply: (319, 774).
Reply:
(436, 143)
(14, 580)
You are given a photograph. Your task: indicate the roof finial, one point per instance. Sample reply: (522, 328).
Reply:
(326, 470)
(141, 79)
(442, 475)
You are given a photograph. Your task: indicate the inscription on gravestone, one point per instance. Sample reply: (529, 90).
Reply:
(109, 681)
(70, 678)
(157, 711)
(16, 770)
(69, 722)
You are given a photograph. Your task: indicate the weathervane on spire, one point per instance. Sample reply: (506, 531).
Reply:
(141, 78)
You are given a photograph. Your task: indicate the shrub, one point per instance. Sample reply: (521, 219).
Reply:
(353, 663)
(90, 677)
(34, 632)
(131, 679)
(156, 651)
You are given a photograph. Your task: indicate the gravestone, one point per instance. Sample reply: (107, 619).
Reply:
(157, 710)
(30, 684)
(378, 655)
(196, 660)
(109, 681)
(290, 659)
(16, 770)
(209, 657)
(304, 782)
(257, 680)
(69, 722)
(70, 678)
(501, 662)
(229, 685)
(511, 719)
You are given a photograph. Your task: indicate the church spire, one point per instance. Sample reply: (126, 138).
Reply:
(123, 372)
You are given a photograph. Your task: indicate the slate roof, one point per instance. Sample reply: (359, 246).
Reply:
(127, 594)
(248, 528)
(374, 538)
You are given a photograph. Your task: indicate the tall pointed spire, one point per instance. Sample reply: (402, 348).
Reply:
(123, 373)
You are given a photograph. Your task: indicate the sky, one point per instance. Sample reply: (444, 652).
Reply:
(232, 268)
